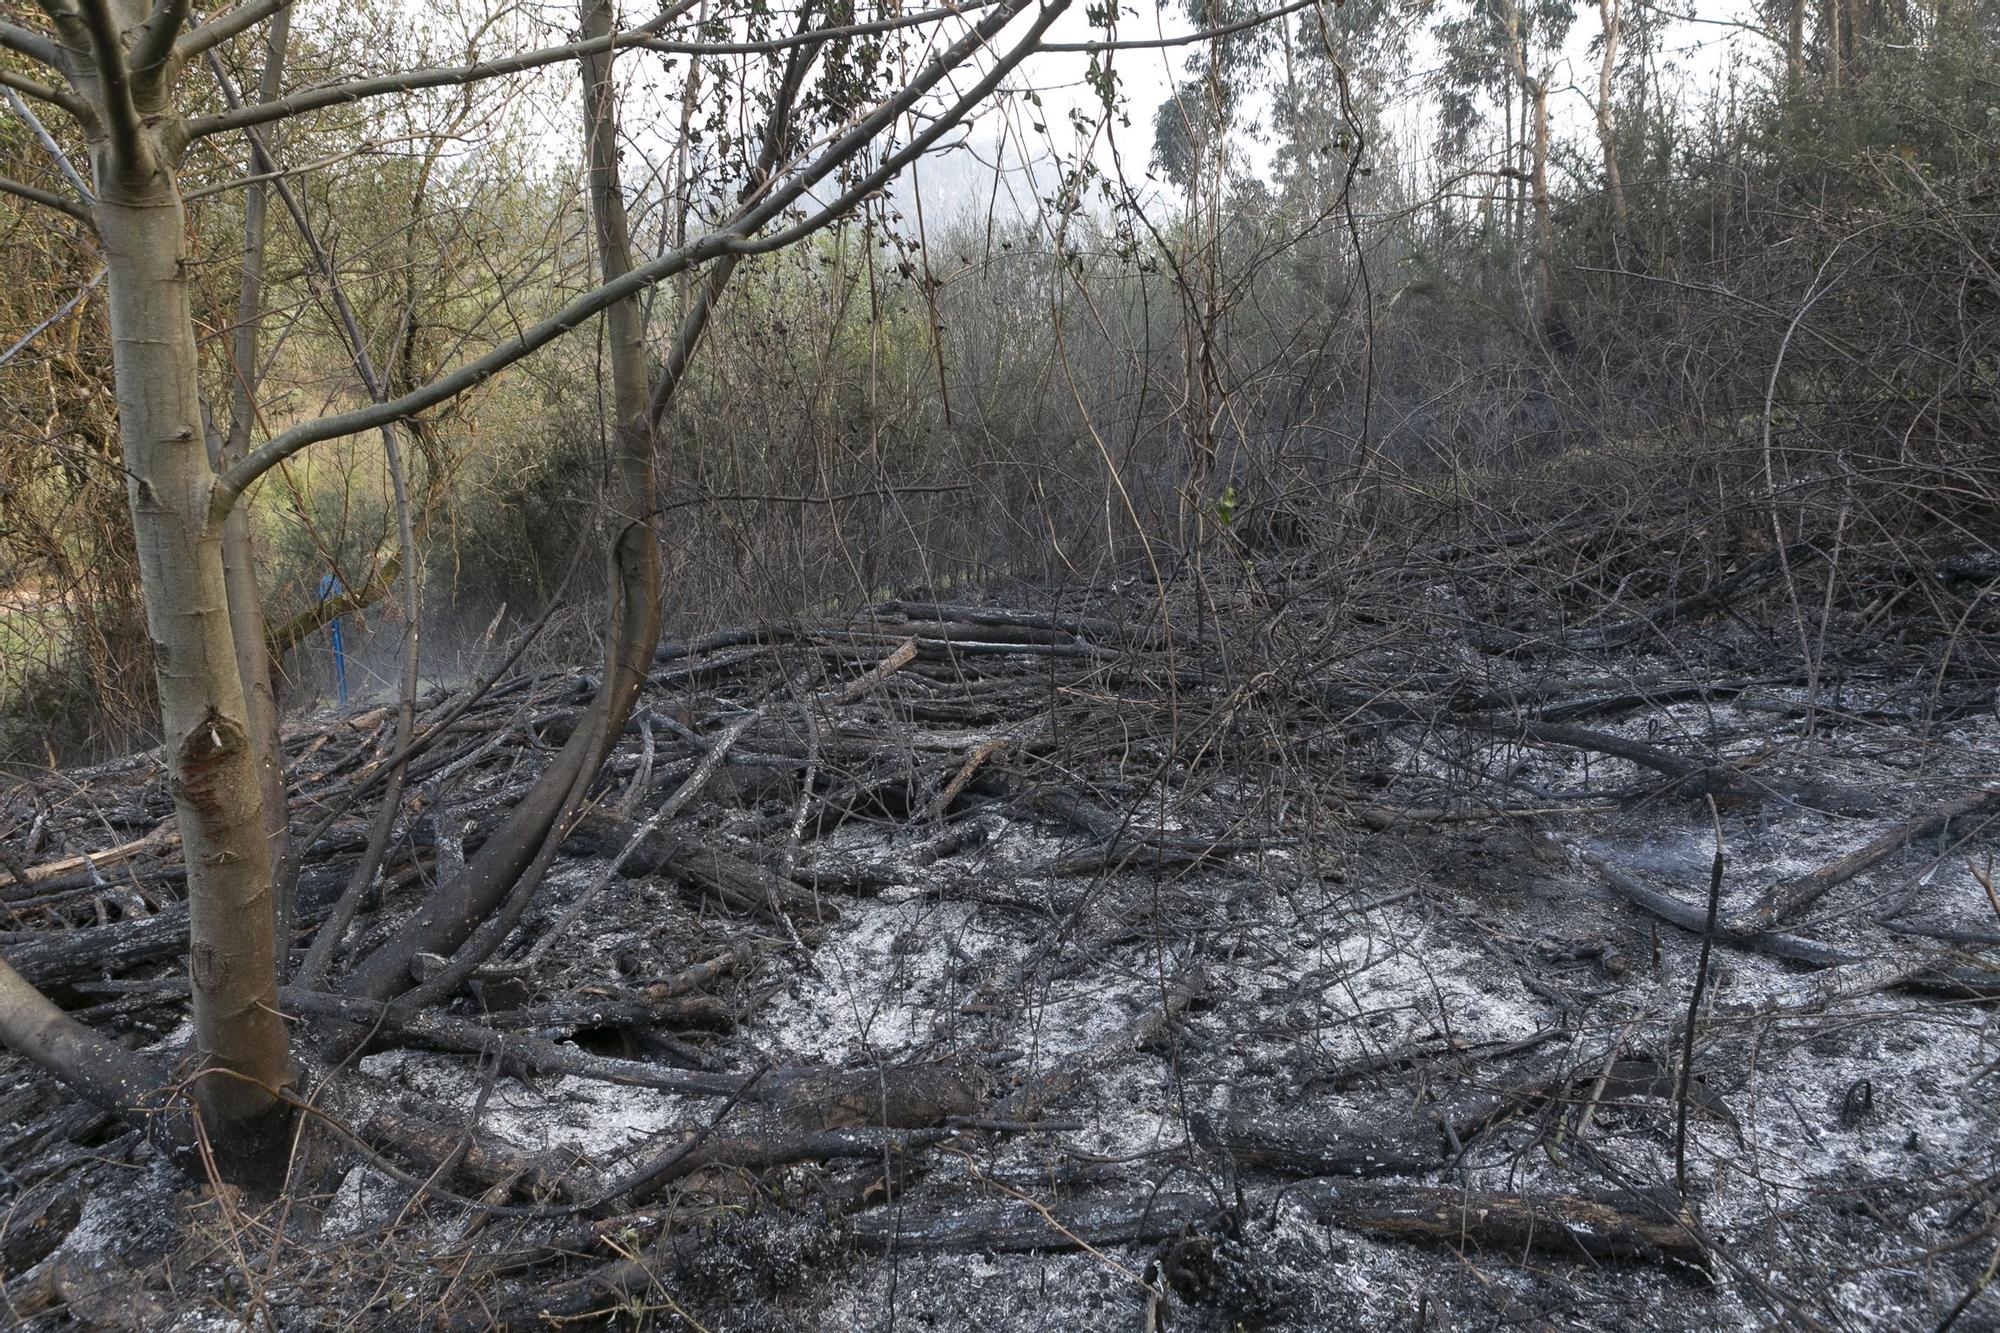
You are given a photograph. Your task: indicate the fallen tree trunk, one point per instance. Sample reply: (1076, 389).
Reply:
(1560, 1225)
(1307, 1146)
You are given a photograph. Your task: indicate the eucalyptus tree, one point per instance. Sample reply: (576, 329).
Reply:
(1611, 23)
(839, 120)
(1509, 50)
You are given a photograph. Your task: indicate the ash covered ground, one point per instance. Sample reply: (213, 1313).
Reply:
(1255, 967)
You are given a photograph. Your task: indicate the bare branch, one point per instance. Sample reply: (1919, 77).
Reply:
(694, 322)
(54, 149)
(99, 1069)
(447, 76)
(20, 190)
(68, 22)
(52, 320)
(228, 24)
(115, 77)
(341, 94)
(893, 164)
(29, 43)
(43, 92)
(735, 237)
(156, 42)
(362, 149)
(812, 37)
(1189, 38)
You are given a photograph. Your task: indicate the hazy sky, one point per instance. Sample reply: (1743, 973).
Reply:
(963, 180)
(1699, 52)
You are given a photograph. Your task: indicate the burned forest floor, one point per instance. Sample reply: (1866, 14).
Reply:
(1229, 947)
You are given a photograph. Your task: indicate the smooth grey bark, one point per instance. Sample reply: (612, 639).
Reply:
(1607, 138)
(329, 284)
(1535, 99)
(240, 1040)
(106, 1072)
(239, 554)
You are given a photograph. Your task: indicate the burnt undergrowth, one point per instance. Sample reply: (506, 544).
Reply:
(1250, 941)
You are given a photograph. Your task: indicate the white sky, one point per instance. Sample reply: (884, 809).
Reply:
(963, 181)
(1696, 56)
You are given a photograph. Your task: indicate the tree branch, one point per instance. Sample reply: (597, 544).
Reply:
(156, 42)
(893, 164)
(340, 94)
(37, 331)
(74, 37)
(1185, 39)
(734, 237)
(228, 24)
(358, 90)
(100, 1070)
(54, 149)
(115, 77)
(37, 196)
(43, 92)
(29, 43)
(813, 37)
(695, 322)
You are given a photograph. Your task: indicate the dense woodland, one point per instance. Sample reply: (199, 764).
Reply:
(1294, 665)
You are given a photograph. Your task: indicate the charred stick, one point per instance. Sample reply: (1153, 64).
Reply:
(1788, 898)
(517, 1052)
(668, 809)
(1691, 918)
(1694, 1008)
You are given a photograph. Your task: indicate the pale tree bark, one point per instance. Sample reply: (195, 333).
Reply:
(1607, 130)
(1795, 47)
(1535, 96)
(327, 283)
(239, 1038)
(101, 1069)
(239, 556)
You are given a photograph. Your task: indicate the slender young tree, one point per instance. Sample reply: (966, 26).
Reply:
(1609, 16)
(125, 74)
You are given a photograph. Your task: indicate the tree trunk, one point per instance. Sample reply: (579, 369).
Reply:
(239, 555)
(1621, 225)
(624, 336)
(1535, 110)
(514, 858)
(240, 1041)
(635, 626)
(1545, 232)
(1795, 45)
